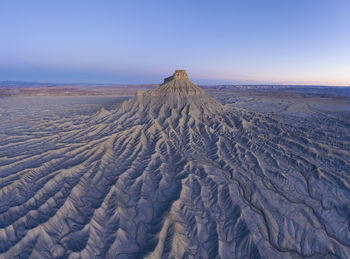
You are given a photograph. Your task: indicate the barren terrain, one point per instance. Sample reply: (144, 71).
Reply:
(175, 172)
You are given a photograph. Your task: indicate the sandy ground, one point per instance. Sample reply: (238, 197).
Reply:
(175, 174)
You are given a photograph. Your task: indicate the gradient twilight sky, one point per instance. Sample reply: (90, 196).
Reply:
(233, 41)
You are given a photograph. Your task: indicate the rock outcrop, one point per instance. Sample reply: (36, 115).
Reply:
(178, 75)
(177, 84)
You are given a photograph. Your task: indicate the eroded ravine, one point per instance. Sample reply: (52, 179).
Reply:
(173, 173)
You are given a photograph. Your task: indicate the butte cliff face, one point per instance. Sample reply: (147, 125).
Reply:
(176, 94)
(172, 173)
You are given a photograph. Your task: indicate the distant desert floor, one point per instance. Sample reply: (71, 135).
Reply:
(254, 174)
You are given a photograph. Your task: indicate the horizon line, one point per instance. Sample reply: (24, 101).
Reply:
(202, 84)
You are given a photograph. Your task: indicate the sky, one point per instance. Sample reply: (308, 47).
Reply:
(233, 41)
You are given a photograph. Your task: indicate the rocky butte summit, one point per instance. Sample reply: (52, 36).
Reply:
(179, 84)
(176, 94)
(171, 173)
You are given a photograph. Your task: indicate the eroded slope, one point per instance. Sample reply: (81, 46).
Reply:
(172, 173)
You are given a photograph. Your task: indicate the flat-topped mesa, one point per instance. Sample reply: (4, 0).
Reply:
(178, 75)
(177, 84)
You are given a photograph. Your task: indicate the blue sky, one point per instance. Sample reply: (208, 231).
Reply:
(237, 41)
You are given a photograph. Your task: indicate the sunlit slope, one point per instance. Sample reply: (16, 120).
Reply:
(172, 173)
